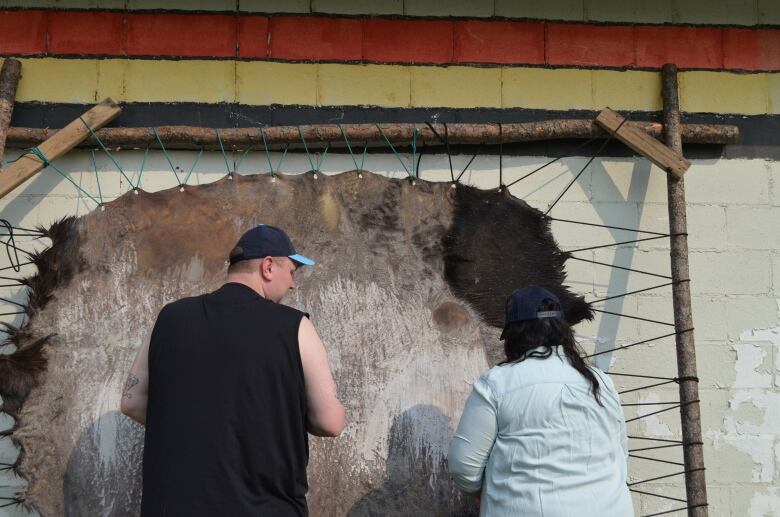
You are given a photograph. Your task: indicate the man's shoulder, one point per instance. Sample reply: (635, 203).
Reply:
(291, 312)
(181, 305)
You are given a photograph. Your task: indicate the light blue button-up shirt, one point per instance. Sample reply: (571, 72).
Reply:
(535, 442)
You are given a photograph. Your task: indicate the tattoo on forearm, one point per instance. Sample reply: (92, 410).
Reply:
(131, 381)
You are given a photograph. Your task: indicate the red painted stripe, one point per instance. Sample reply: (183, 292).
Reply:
(751, 49)
(412, 41)
(23, 32)
(687, 47)
(190, 35)
(499, 42)
(321, 39)
(253, 37)
(88, 32)
(326, 38)
(590, 45)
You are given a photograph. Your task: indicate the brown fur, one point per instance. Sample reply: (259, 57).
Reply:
(19, 371)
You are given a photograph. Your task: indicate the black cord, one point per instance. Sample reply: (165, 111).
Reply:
(11, 244)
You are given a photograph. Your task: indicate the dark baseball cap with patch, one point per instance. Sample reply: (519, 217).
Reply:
(523, 305)
(266, 241)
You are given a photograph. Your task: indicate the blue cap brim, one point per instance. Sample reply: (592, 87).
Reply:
(300, 259)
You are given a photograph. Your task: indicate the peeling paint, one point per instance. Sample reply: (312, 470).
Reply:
(752, 372)
(751, 425)
(652, 425)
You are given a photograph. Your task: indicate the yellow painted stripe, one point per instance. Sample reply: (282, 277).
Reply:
(392, 86)
(262, 83)
(624, 91)
(773, 85)
(456, 87)
(364, 85)
(58, 80)
(722, 92)
(180, 81)
(546, 89)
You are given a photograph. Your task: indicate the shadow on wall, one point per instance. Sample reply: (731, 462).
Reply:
(103, 475)
(107, 459)
(417, 480)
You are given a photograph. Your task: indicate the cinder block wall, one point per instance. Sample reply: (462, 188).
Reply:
(733, 216)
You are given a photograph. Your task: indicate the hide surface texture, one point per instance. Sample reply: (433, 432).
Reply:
(408, 296)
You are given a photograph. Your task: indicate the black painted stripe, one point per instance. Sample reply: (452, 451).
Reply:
(758, 133)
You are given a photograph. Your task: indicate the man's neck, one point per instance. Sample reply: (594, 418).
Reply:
(249, 281)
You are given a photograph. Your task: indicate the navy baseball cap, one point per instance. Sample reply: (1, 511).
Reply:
(523, 305)
(266, 241)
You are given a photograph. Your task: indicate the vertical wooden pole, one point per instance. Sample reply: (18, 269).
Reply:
(690, 414)
(9, 80)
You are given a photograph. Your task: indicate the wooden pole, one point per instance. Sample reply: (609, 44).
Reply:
(28, 165)
(662, 155)
(189, 137)
(690, 414)
(9, 80)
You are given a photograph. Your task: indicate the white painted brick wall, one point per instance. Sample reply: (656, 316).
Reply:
(734, 237)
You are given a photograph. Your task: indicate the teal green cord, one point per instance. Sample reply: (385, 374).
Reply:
(167, 157)
(143, 164)
(268, 154)
(105, 150)
(349, 148)
(78, 187)
(97, 177)
(395, 152)
(224, 156)
(194, 164)
(241, 160)
(35, 152)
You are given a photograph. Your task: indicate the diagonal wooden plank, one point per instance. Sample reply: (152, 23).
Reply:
(666, 158)
(57, 145)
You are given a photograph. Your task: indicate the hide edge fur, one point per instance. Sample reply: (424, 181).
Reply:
(483, 283)
(20, 371)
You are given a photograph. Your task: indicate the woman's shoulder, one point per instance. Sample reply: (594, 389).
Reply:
(505, 376)
(602, 376)
(555, 368)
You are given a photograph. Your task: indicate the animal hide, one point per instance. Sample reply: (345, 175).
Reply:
(408, 296)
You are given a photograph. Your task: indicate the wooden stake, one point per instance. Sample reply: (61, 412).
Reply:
(695, 486)
(59, 144)
(666, 158)
(190, 137)
(9, 80)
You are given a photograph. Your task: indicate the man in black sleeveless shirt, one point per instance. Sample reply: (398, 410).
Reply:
(228, 386)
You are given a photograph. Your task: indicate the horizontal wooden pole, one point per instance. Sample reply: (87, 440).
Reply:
(190, 137)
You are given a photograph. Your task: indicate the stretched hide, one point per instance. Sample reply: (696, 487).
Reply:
(408, 294)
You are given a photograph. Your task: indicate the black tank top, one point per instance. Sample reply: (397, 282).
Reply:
(226, 417)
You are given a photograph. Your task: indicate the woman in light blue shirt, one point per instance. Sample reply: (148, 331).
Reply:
(542, 433)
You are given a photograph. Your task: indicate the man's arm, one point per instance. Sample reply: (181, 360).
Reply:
(135, 391)
(325, 412)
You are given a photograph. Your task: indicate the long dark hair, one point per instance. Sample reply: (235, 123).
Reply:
(523, 337)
